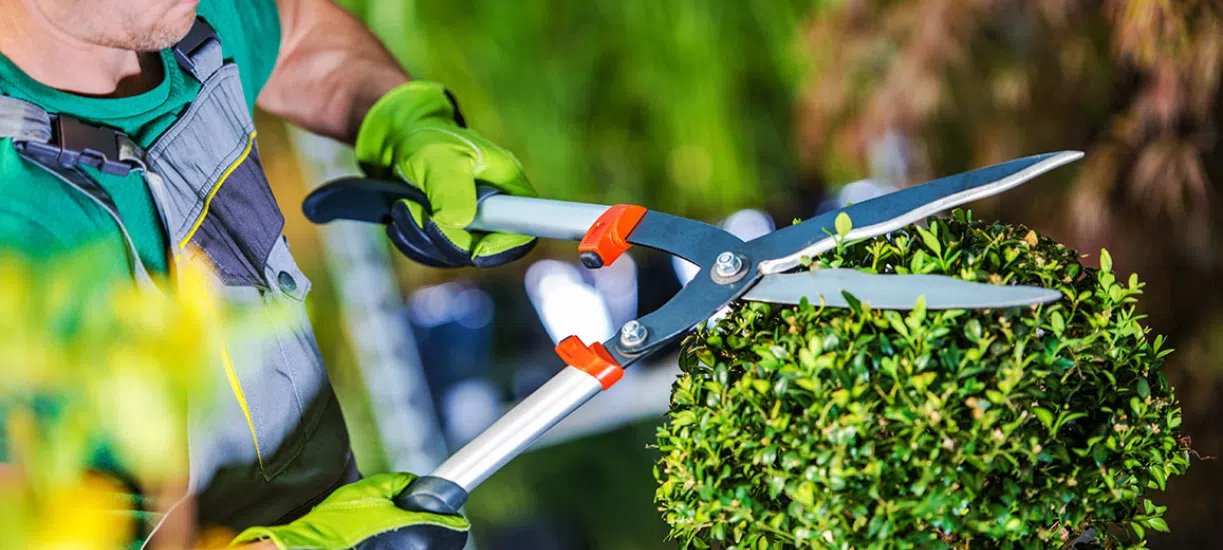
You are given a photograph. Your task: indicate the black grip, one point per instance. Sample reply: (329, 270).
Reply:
(360, 199)
(432, 494)
(367, 199)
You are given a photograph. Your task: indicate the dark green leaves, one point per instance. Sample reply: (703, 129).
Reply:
(854, 427)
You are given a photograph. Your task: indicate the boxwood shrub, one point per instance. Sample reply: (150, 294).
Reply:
(807, 426)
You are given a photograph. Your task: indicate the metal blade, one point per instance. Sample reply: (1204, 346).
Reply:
(895, 210)
(893, 291)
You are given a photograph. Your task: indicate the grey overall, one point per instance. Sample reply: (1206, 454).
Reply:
(275, 443)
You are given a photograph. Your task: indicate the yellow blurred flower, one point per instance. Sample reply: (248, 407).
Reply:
(96, 369)
(83, 516)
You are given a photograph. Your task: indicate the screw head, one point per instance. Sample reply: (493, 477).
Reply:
(727, 265)
(633, 334)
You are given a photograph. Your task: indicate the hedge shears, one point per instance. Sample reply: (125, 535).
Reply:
(763, 269)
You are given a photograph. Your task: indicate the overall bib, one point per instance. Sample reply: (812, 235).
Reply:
(275, 444)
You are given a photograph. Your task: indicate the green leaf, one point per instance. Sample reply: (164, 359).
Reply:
(805, 494)
(854, 303)
(917, 315)
(1067, 416)
(1044, 416)
(1099, 454)
(930, 241)
(843, 224)
(922, 381)
(1144, 388)
(1057, 323)
(918, 261)
(1106, 261)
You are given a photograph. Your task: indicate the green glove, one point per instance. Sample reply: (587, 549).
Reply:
(415, 133)
(361, 514)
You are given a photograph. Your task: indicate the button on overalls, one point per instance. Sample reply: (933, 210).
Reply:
(275, 444)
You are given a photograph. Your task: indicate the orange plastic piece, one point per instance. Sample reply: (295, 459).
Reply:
(593, 360)
(607, 239)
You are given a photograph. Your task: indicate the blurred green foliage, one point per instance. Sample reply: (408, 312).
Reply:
(98, 374)
(860, 428)
(684, 105)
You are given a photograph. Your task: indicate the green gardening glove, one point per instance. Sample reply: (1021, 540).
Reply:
(362, 515)
(415, 133)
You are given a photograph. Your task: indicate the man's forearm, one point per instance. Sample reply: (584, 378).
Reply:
(330, 70)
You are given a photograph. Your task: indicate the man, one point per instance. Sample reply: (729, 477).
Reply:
(126, 124)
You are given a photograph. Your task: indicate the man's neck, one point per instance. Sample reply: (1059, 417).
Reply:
(61, 61)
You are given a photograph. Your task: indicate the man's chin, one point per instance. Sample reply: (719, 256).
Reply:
(166, 35)
(171, 29)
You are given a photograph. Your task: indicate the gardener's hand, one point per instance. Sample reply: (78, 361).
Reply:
(362, 515)
(415, 133)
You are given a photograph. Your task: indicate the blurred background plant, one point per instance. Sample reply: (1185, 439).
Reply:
(681, 104)
(93, 401)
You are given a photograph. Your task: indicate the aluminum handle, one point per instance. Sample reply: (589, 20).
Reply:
(514, 432)
(544, 218)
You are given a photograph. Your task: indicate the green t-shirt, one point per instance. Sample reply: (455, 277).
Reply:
(41, 218)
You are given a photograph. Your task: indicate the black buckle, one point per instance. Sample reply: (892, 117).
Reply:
(200, 33)
(73, 142)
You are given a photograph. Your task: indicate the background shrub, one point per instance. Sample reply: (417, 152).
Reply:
(860, 428)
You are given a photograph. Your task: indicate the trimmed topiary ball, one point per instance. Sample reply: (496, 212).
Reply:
(805, 426)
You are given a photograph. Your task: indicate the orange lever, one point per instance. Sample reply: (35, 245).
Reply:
(593, 360)
(607, 239)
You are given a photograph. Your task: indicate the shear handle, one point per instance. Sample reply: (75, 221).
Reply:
(370, 200)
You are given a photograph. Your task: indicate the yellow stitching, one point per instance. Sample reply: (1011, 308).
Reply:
(193, 283)
(370, 502)
(232, 375)
(250, 143)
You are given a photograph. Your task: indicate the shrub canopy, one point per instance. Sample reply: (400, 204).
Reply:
(860, 428)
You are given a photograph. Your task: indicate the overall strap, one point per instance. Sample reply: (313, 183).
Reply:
(62, 141)
(61, 145)
(80, 181)
(23, 121)
(199, 53)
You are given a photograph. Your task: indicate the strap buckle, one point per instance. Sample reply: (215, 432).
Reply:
(200, 33)
(73, 142)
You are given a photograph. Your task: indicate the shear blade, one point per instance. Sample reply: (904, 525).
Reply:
(895, 210)
(893, 291)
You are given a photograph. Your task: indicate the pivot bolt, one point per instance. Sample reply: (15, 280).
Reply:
(727, 265)
(633, 334)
